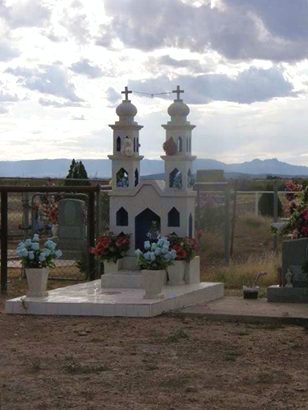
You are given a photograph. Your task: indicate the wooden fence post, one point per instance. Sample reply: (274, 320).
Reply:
(227, 225)
(4, 240)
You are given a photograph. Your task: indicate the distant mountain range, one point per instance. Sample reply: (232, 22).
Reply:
(101, 168)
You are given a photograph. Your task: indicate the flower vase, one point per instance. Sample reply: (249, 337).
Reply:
(111, 267)
(37, 282)
(153, 283)
(250, 292)
(176, 273)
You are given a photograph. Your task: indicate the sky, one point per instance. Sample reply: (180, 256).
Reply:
(242, 64)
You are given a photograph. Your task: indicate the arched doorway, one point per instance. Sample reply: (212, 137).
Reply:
(144, 222)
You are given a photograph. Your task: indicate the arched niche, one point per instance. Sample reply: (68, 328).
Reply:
(180, 144)
(122, 178)
(173, 218)
(190, 226)
(136, 177)
(175, 179)
(145, 223)
(190, 179)
(118, 144)
(122, 217)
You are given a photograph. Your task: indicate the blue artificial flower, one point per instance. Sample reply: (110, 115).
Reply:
(58, 253)
(160, 242)
(157, 251)
(36, 237)
(138, 253)
(50, 245)
(153, 246)
(28, 242)
(173, 254)
(47, 251)
(152, 256)
(31, 255)
(147, 256)
(35, 246)
(42, 257)
(147, 245)
(20, 251)
(24, 253)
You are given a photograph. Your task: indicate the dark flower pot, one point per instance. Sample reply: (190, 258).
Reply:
(250, 293)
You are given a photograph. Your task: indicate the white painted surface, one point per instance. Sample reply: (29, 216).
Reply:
(88, 299)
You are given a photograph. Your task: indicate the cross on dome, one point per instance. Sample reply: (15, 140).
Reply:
(126, 92)
(178, 92)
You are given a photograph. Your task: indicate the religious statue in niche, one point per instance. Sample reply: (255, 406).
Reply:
(122, 179)
(128, 148)
(175, 179)
(154, 232)
(190, 179)
(170, 147)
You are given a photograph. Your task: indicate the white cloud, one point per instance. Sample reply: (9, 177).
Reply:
(46, 79)
(25, 13)
(247, 87)
(7, 51)
(85, 67)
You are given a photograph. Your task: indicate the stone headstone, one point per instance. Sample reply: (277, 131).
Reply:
(72, 229)
(294, 254)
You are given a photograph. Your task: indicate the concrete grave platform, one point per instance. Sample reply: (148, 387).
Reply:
(89, 299)
(235, 308)
(287, 295)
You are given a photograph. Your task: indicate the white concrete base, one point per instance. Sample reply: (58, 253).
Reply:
(122, 279)
(88, 299)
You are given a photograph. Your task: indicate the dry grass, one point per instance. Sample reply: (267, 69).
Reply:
(253, 243)
(238, 274)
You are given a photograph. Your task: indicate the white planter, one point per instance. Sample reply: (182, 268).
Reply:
(153, 281)
(176, 273)
(37, 282)
(192, 271)
(111, 267)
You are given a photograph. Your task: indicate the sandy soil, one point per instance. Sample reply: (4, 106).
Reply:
(169, 362)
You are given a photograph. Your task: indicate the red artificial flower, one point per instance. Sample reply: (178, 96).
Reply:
(304, 214)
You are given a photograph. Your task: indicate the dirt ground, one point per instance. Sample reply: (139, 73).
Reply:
(168, 362)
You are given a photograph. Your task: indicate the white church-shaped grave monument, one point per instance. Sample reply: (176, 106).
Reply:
(138, 206)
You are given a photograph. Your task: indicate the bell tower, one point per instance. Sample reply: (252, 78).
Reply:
(125, 157)
(178, 159)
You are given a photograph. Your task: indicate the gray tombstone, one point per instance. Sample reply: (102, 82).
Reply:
(294, 254)
(72, 229)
